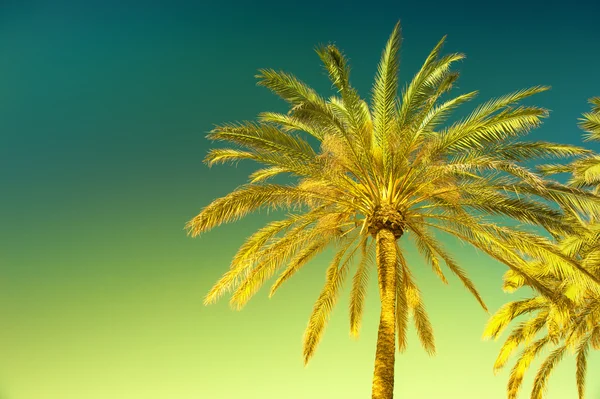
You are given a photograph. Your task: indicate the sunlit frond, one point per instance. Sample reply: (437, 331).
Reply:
(402, 307)
(436, 248)
(507, 313)
(582, 353)
(591, 121)
(295, 246)
(521, 335)
(415, 304)
(541, 378)
(385, 90)
(518, 371)
(359, 287)
(336, 274)
(247, 199)
(299, 260)
(512, 281)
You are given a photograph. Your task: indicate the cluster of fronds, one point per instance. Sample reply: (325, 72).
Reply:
(398, 152)
(585, 171)
(570, 324)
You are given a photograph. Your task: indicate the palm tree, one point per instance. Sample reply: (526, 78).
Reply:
(571, 324)
(384, 170)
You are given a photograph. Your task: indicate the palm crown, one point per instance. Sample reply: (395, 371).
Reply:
(383, 170)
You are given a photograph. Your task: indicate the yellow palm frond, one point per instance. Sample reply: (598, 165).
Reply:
(541, 378)
(336, 274)
(402, 307)
(518, 371)
(507, 313)
(415, 304)
(385, 91)
(591, 121)
(359, 287)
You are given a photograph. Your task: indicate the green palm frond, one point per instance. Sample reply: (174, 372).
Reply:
(426, 249)
(264, 137)
(410, 103)
(439, 113)
(478, 132)
(524, 151)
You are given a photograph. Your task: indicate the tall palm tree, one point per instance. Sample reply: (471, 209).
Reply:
(381, 171)
(572, 324)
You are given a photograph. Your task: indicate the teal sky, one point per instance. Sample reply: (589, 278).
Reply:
(103, 111)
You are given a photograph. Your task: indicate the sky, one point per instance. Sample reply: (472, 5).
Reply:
(104, 108)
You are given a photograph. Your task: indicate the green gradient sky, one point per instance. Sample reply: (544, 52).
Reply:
(103, 112)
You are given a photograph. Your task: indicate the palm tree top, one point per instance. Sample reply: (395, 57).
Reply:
(392, 164)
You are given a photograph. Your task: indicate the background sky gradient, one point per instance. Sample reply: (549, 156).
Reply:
(103, 111)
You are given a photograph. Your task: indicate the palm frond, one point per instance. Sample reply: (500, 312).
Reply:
(264, 137)
(385, 90)
(359, 287)
(291, 123)
(288, 87)
(582, 353)
(438, 114)
(244, 258)
(244, 200)
(336, 274)
(272, 257)
(507, 313)
(523, 334)
(591, 122)
(402, 306)
(541, 378)
(300, 259)
(518, 371)
(436, 248)
(421, 320)
(512, 281)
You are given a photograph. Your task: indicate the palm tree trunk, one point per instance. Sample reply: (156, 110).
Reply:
(383, 378)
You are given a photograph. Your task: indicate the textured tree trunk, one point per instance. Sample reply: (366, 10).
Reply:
(383, 378)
